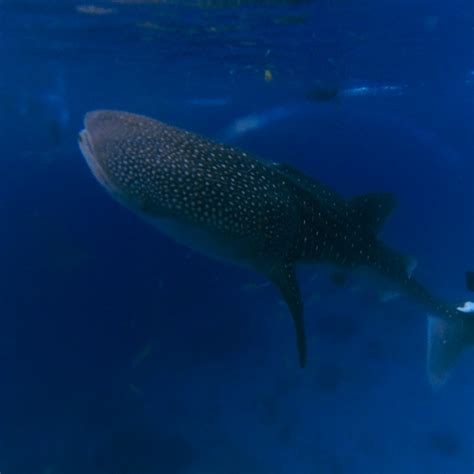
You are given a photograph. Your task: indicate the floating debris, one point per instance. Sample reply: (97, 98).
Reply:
(148, 25)
(94, 10)
(268, 75)
(362, 91)
(142, 355)
(135, 390)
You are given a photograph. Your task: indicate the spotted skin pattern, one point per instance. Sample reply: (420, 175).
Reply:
(235, 207)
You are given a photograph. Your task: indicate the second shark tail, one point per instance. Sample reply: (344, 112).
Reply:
(448, 338)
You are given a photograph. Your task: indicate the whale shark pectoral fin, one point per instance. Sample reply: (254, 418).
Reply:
(284, 278)
(447, 340)
(373, 209)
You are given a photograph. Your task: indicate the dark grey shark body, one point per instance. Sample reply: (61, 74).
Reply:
(235, 207)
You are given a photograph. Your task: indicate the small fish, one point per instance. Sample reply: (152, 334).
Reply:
(267, 216)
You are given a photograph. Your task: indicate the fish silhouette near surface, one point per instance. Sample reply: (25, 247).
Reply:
(267, 216)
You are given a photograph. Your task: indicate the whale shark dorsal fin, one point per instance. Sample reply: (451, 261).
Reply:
(373, 209)
(309, 184)
(284, 278)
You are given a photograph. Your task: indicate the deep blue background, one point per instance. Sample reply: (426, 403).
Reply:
(122, 352)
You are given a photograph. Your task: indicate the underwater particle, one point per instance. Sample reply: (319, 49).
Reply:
(135, 390)
(94, 10)
(149, 25)
(268, 76)
(142, 355)
(445, 443)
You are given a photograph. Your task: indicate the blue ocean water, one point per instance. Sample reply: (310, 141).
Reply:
(122, 352)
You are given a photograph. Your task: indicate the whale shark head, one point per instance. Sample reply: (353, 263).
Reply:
(122, 152)
(136, 159)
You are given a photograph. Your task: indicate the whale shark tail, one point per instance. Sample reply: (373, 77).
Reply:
(448, 339)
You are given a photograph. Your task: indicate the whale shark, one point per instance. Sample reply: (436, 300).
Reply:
(267, 216)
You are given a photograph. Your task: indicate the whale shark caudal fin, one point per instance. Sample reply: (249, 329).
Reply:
(284, 278)
(447, 340)
(371, 209)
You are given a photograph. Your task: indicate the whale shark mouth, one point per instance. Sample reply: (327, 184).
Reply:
(87, 149)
